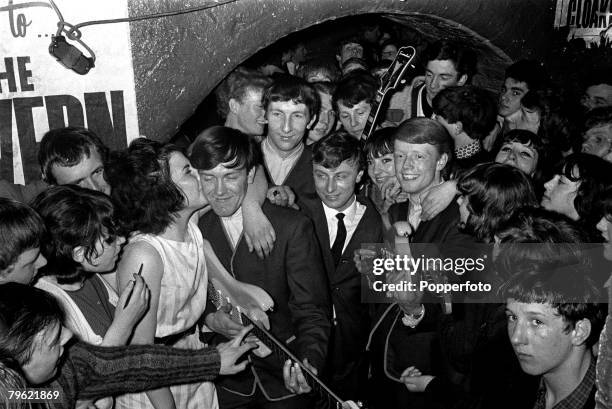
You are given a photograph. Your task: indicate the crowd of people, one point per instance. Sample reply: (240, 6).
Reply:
(122, 273)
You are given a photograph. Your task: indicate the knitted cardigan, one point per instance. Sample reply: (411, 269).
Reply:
(91, 372)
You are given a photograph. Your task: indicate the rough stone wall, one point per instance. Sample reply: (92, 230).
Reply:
(178, 60)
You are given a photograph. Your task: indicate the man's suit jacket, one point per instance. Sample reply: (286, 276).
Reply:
(294, 276)
(300, 178)
(345, 281)
(440, 233)
(399, 345)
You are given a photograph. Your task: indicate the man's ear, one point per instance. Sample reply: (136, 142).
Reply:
(8, 270)
(251, 175)
(78, 254)
(581, 331)
(441, 163)
(234, 106)
(462, 80)
(458, 127)
(359, 176)
(338, 58)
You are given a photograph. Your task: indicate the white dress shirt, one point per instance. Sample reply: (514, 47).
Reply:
(352, 217)
(233, 227)
(278, 166)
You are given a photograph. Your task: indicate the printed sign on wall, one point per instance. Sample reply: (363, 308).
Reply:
(587, 19)
(37, 93)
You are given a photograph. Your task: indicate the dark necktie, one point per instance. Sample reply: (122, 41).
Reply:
(338, 245)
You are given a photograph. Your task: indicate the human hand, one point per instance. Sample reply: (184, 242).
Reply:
(282, 196)
(221, 322)
(410, 298)
(414, 380)
(258, 232)
(403, 231)
(349, 404)
(232, 350)
(437, 198)
(294, 377)
(128, 315)
(391, 193)
(364, 260)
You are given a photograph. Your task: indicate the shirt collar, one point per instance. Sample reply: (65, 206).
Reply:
(415, 199)
(270, 149)
(577, 398)
(237, 216)
(349, 212)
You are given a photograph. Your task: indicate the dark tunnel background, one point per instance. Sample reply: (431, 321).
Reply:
(179, 61)
(322, 40)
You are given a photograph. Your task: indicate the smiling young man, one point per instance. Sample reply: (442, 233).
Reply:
(407, 335)
(554, 318)
(239, 101)
(446, 65)
(292, 106)
(67, 156)
(422, 149)
(292, 274)
(343, 222)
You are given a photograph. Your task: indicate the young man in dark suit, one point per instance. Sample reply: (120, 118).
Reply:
(343, 222)
(293, 274)
(405, 333)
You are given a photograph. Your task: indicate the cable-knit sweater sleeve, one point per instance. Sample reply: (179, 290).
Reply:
(91, 372)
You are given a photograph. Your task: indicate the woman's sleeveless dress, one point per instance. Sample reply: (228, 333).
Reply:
(182, 301)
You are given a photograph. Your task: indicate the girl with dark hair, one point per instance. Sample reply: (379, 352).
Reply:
(524, 150)
(575, 188)
(80, 247)
(382, 186)
(490, 193)
(156, 192)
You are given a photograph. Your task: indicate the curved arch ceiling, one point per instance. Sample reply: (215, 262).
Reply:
(179, 60)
